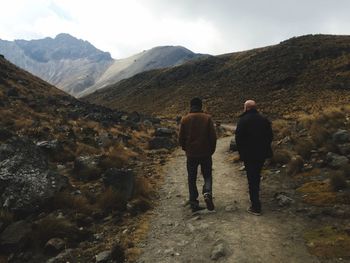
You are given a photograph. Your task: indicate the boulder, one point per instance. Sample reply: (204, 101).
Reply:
(55, 245)
(26, 180)
(344, 148)
(341, 136)
(15, 236)
(121, 180)
(87, 167)
(164, 132)
(134, 117)
(233, 145)
(161, 143)
(52, 148)
(336, 161)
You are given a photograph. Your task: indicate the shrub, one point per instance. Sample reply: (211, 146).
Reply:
(78, 203)
(281, 128)
(111, 200)
(303, 148)
(295, 165)
(319, 134)
(281, 156)
(142, 187)
(52, 227)
(338, 181)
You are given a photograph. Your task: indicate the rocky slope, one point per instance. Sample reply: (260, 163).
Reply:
(78, 68)
(72, 175)
(298, 75)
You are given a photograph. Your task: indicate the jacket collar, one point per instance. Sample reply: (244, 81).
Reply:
(251, 111)
(195, 109)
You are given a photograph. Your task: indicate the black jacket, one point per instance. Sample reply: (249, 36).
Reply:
(254, 136)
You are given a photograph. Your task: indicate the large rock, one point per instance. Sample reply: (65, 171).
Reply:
(335, 160)
(164, 132)
(25, 178)
(121, 180)
(161, 143)
(341, 136)
(87, 167)
(15, 235)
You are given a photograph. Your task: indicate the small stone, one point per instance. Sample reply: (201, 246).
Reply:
(218, 251)
(103, 256)
(283, 200)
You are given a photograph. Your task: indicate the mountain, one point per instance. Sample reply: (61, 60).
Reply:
(155, 58)
(69, 63)
(77, 67)
(302, 74)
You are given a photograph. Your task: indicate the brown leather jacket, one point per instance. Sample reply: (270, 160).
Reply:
(197, 135)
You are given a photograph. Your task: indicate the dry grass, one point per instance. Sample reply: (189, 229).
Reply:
(117, 156)
(304, 147)
(281, 128)
(111, 200)
(77, 203)
(295, 165)
(281, 156)
(312, 173)
(328, 242)
(52, 227)
(84, 149)
(143, 187)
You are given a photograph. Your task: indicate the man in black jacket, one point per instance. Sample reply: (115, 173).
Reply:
(253, 138)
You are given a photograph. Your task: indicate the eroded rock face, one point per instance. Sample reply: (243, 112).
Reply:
(25, 178)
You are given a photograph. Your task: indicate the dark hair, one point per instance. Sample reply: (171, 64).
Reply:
(196, 102)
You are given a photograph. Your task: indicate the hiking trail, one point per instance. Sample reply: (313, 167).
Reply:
(228, 235)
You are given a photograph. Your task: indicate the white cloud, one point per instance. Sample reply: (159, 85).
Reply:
(125, 27)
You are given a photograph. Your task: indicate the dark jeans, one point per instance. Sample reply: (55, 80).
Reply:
(206, 168)
(253, 169)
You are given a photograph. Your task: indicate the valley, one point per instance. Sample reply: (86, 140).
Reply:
(100, 178)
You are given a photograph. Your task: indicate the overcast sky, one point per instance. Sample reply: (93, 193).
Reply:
(205, 26)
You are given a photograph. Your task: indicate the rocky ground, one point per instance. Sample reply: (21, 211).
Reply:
(288, 231)
(75, 178)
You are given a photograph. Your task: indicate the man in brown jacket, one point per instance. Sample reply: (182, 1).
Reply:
(198, 139)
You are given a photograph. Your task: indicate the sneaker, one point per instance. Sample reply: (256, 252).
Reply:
(253, 211)
(196, 208)
(209, 201)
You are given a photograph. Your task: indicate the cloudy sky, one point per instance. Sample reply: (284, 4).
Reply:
(126, 27)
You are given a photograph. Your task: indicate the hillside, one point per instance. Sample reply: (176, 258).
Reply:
(298, 75)
(77, 67)
(155, 58)
(71, 174)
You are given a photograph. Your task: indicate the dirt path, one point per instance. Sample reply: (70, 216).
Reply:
(178, 236)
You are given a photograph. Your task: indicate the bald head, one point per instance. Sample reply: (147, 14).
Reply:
(249, 104)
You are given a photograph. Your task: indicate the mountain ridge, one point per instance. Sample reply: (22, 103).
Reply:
(77, 67)
(300, 74)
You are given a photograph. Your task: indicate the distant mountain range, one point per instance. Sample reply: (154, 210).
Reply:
(302, 74)
(77, 67)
